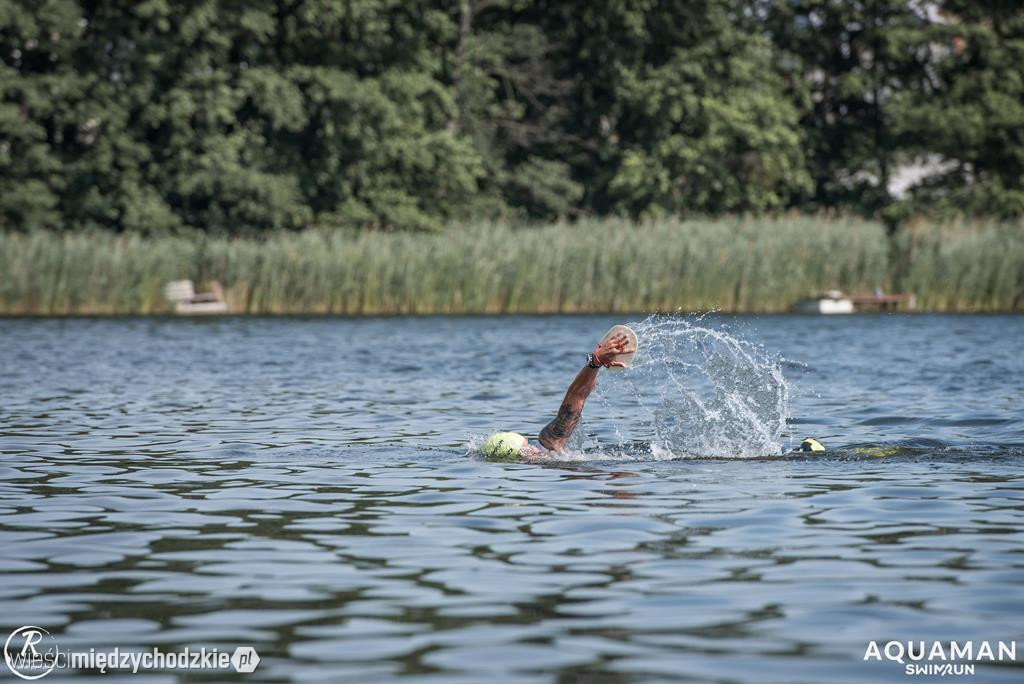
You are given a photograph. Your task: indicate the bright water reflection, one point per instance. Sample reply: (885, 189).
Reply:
(302, 486)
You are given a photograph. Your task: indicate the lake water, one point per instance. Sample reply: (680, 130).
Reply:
(307, 487)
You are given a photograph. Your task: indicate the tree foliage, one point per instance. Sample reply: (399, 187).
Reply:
(236, 116)
(890, 86)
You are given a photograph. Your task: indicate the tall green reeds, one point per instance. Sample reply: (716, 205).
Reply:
(595, 266)
(964, 267)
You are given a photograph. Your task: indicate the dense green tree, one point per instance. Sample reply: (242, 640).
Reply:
(511, 104)
(36, 125)
(230, 116)
(677, 109)
(278, 114)
(842, 62)
(884, 85)
(965, 118)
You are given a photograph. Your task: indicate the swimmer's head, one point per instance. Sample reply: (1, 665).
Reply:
(810, 444)
(504, 446)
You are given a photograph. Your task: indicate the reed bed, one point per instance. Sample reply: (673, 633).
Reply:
(963, 267)
(737, 264)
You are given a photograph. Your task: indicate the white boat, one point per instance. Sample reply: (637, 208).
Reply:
(831, 302)
(187, 301)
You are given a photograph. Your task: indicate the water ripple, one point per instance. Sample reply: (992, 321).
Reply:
(167, 483)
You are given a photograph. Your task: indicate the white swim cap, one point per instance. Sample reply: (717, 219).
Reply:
(504, 445)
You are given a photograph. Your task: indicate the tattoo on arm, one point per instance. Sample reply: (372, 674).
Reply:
(558, 430)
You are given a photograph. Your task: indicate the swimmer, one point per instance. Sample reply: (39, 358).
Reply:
(512, 445)
(810, 444)
(553, 438)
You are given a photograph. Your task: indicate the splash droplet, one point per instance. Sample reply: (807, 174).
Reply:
(694, 390)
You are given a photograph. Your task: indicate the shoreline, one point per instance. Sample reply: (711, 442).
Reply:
(509, 314)
(730, 265)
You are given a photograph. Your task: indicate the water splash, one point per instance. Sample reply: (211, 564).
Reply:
(693, 390)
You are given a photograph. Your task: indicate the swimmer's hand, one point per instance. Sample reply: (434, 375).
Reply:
(604, 353)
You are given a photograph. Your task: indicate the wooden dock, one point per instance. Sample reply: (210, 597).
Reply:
(835, 302)
(903, 301)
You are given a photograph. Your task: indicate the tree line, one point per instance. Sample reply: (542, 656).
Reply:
(237, 116)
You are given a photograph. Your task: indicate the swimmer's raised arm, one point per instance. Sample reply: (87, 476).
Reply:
(556, 433)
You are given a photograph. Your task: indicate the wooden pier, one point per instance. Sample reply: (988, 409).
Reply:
(904, 301)
(835, 302)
